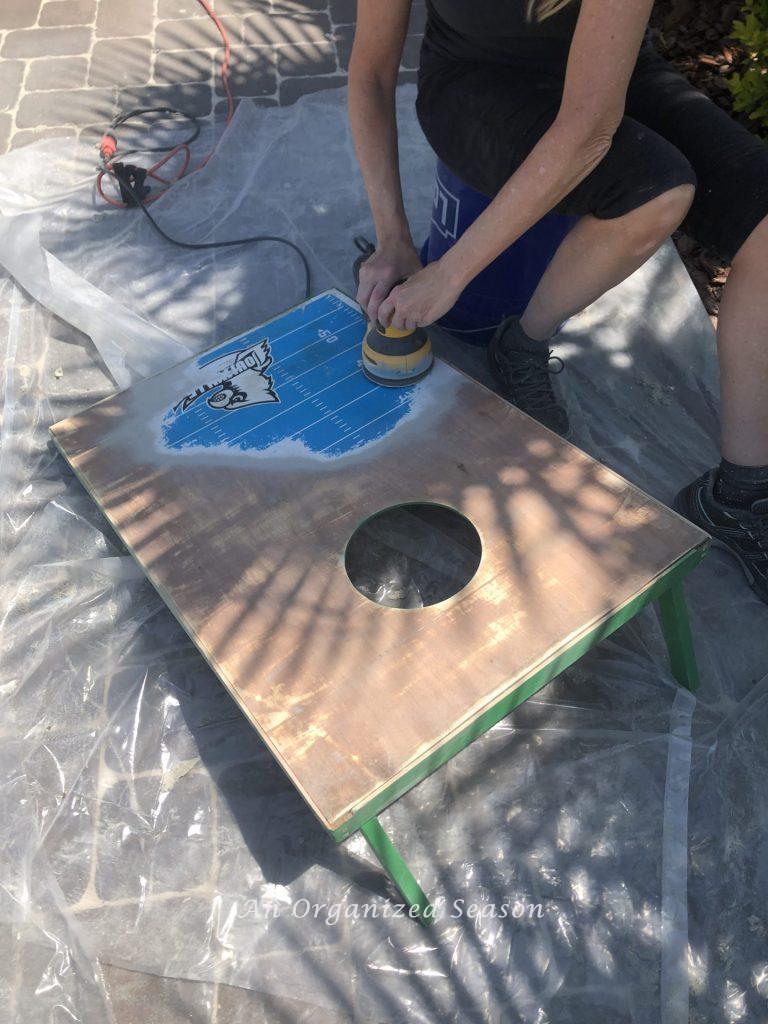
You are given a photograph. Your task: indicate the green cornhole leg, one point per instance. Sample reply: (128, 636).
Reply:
(677, 632)
(397, 869)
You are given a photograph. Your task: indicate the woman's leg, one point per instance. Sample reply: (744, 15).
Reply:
(730, 216)
(635, 197)
(731, 502)
(598, 254)
(742, 345)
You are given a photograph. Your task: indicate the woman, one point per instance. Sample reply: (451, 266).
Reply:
(555, 105)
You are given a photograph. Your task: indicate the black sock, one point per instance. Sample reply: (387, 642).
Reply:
(517, 338)
(740, 486)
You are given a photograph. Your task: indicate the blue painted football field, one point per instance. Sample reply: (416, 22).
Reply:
(305, 385)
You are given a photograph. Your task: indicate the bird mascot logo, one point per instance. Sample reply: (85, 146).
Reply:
(235, 381)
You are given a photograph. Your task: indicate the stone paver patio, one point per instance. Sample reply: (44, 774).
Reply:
(68, 66)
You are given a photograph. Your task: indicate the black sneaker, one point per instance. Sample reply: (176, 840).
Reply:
(741, 532)
(523, 376)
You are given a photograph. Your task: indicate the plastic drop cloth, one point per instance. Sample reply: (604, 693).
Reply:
(156, 864)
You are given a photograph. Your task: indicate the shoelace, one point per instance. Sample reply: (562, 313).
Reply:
(528, 376)
(756, 528)
(753, 525)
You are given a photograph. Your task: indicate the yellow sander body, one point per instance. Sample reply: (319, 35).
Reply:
(396, 358)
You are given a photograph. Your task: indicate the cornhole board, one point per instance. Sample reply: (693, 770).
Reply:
(236, 480)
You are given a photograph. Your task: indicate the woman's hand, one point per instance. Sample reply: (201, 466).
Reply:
(420, 300)
(388, 264)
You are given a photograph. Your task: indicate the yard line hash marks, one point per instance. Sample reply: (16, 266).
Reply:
(325, 401)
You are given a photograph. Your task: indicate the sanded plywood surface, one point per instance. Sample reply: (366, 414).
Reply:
(237, 478)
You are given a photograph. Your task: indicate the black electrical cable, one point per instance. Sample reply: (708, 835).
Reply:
(228, 243)
(122, 119)
(128, 175)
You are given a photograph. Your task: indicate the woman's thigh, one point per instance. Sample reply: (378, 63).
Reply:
(483, 121)
(731, 163)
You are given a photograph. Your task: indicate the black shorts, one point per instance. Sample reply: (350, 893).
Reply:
(483, 119)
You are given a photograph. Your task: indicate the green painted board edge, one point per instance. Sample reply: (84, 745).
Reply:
(674, 574)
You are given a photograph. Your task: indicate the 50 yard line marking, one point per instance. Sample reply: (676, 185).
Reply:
(256, 330)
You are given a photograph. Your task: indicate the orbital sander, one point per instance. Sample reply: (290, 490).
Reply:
(391, 357)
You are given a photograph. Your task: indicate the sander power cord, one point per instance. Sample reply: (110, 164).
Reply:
(133, 181)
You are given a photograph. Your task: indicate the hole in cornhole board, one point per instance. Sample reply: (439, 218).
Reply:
(413, 555)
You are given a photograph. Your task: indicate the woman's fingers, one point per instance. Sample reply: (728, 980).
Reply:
(398, 319)
(394, 311)
(380, 273)
(385, 312)
(378, 295)
(416, 302)
(371, 279)
(364, 289)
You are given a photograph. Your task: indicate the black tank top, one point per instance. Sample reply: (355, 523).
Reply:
(496, 30)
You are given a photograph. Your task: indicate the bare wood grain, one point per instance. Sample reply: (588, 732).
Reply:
(249, 556)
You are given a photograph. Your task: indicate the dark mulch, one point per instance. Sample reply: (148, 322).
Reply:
(694, 36)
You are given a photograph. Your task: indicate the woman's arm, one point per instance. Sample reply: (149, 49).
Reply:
(602, 56)
(380, 33)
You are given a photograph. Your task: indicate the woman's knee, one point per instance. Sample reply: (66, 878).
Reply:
(649, 225)
(670, 207)
(641, 163)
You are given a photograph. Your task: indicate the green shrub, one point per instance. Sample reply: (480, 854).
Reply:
(749, 86)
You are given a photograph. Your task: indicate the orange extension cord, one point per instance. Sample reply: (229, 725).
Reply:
(130, 179)
(108, 145)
